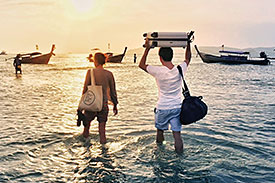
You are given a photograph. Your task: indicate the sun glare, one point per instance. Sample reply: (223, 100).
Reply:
(82, 6)
(80, 9)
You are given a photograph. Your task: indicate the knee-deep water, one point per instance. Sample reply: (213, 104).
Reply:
(40, 142)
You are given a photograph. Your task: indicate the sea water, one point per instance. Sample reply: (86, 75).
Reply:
(40, 141)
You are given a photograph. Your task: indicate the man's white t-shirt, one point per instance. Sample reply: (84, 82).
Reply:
(169, 85)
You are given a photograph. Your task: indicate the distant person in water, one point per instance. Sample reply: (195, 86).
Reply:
(169, 85)
(106, 79)
(17, 64)
(135, 58)
(263, 55)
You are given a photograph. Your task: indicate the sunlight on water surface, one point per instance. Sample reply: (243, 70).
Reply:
(40, 141)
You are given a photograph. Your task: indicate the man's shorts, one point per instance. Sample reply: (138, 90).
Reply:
(102, 116)
(165, 117)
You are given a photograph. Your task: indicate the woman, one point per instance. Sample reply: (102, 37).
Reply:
(106, 79)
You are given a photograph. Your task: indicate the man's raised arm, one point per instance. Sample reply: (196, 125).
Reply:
(188, 54)
(142, 63)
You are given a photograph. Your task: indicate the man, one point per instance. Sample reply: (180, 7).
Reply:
(169, 84)
(17, 64)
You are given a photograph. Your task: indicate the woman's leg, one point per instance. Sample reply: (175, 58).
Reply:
(101, 130)
(86, 130)
(87, 119)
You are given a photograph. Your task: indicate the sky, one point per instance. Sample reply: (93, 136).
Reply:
(77, 26)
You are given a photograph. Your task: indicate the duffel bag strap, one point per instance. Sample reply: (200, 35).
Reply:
(185, 90)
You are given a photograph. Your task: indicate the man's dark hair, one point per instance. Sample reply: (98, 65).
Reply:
(166, 53)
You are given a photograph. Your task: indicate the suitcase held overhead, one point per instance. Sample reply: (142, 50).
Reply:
(168, 39)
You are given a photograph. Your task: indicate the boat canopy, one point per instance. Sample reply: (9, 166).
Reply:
(236, 52)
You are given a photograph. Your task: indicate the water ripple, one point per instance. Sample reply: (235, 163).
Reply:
(41, 143)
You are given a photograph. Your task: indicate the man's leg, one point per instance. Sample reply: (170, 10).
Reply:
(160, 137)
(178, 142)
(101, 130)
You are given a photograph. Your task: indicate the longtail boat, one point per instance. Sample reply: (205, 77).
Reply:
(37, 57)
(3, 53)
(233, 57)
(110, 57)
(116, 58)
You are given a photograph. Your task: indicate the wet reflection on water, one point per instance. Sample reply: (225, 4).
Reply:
(40, 141)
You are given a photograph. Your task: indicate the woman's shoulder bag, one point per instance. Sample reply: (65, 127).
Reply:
(92, 99)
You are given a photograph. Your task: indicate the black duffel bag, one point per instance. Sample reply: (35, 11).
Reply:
(192, 108)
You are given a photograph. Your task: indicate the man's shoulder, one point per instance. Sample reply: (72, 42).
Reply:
(183, 64)
(155, 66)
(154, 69)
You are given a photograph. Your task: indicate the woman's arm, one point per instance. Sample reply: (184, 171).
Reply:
(87, 81)
(113, 93)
